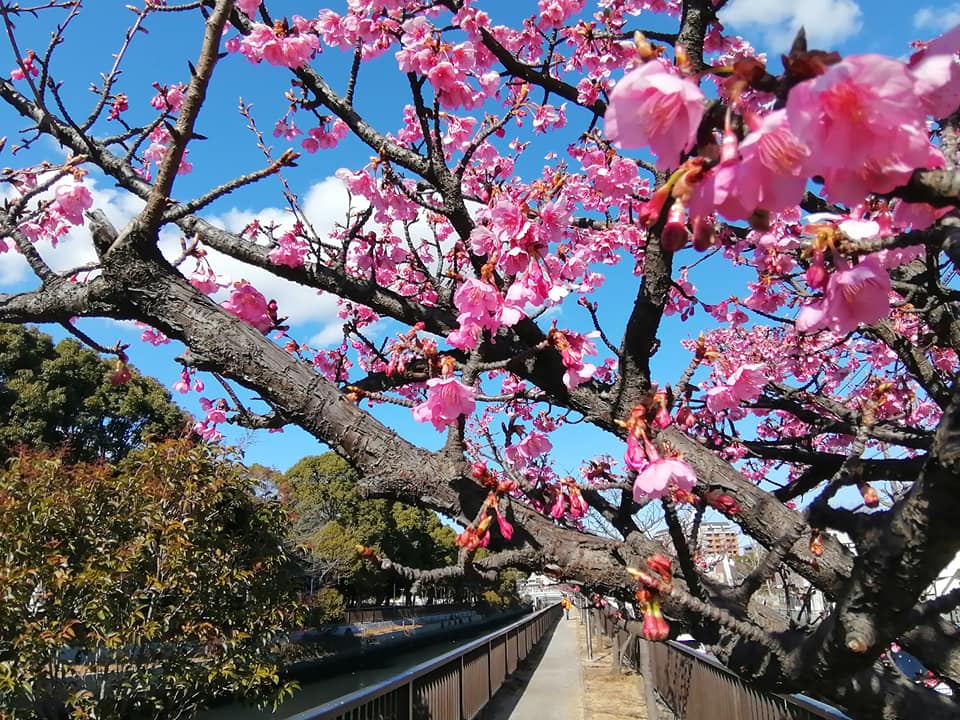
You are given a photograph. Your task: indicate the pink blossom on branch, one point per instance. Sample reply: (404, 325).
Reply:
(248, 7)
(771, 173)
(72, 201)
(573, 346)
(249, 304)
(654, 106)
(744, 385)
(447, 399)
(279, 45)
(532, 446)
(661, 474)
(863, 123)
(854, 295)
(290, 251)
(938, 74)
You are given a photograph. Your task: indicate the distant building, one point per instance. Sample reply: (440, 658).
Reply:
(715, 539)
(719, 538)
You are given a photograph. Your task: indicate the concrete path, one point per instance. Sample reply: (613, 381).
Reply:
(547, 686)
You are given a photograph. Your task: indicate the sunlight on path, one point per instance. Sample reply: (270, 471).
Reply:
(552, 689)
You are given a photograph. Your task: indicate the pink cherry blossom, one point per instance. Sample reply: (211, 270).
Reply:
(248, 7)
(215, 411)
(290, 48)
(323, 137)
(249, 304)
(654, 106)
(573, 346)
(447, 399)
(938, 74)
(154, 337)
(636, 456)
(72, 200)
(744, 385)
(771, 174)
(290, 251)
(479, 302)
(854, 295)
(205, 280)
(168, 99)
(578, 505)
(863, 123)
(659, 475)
(558, 507)
(553, 13)
(28, 66)
(533, 445)
(719, 191)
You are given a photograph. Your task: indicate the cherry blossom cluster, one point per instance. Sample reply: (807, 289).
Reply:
(734, 151)
(56, 210)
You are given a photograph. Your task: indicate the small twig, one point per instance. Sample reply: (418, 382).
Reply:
(684, 556)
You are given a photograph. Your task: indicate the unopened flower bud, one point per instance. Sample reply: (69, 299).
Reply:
(704, 234)
(654, 628)
(817, 275)
(674, 235)
(662, 565)
(650, 210)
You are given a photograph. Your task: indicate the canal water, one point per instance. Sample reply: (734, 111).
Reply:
(329, 684)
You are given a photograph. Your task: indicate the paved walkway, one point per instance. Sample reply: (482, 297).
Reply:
(552, 689)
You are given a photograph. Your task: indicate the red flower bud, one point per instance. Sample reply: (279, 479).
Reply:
(650, 210)
(817, 275)
(654, 628)
(704, 234)
(662, 565)
(674, 235)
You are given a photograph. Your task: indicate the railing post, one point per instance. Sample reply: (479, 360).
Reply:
(489, 671)
(646, 672)
(410, 700)
(463, 709)
(587, 613)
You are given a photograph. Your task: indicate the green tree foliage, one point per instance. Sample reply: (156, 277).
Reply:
(330, 518)
(141, 590)
(60, 396)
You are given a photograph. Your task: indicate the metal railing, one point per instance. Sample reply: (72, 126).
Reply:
(697, 687)
(454, 686)
(357, 615)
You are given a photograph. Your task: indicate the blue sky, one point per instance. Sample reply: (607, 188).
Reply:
(161, 56)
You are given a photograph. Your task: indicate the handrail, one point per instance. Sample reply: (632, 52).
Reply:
(690, 688)
(345, 703)
(807, 703)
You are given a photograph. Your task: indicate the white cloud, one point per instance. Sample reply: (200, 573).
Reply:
(937, 19)
(827, 22)
(331, 335)
(75, 248)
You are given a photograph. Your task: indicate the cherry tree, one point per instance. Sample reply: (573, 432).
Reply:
(814, 195)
